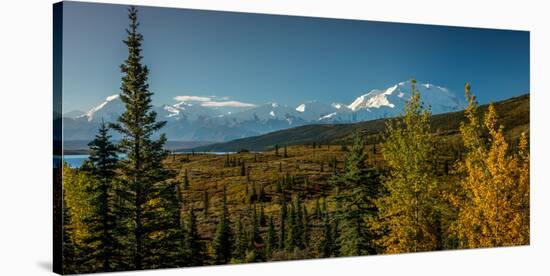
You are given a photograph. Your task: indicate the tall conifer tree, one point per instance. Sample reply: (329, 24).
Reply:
(195, 249)
(241, 241)
(155, 213)
(282, 225)
(223, 238)
(360, 184)
(271, 243)
(256, 241)
(325, 246)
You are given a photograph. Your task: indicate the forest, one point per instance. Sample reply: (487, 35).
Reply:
(410, 190)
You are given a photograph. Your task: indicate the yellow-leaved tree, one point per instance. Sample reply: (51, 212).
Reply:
(493, 198)
(75, 184)
(408, 209)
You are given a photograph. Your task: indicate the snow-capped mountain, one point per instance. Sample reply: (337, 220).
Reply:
(73, 114)
(314, 110)
(439, 99)
(390, 102)
(187, 111)
(192, 121)
(108, 110)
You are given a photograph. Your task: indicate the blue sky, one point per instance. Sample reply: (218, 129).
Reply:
(253, 58)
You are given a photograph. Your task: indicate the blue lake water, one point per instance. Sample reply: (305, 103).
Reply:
(76, 160)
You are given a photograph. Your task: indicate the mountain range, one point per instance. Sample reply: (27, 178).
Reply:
(513, 115)
(193, 121)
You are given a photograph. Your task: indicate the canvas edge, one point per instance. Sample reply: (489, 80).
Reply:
(57, 138)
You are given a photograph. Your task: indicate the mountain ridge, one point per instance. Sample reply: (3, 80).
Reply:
(192, 121)
(513, 114)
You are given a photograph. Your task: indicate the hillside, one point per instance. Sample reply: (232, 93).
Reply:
(513, 112)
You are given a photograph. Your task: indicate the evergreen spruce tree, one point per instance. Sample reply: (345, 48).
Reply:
(279, 187)
(336, 229)
(243, 169)
(305, 227)
(223, 237)
(294, 233)
(325, 208)
(241, 241)
(282, 225)
(195, 254)
(325, 246)
(271, 243)
(166, 220)
(285, 153)
(261, 194)
(253, 196)
(205, 203)
(186, 180)
(104, 231)
(317, 211)
(261, 216)
(299, 239)
(155, 212)
(360, 184)
(256, 246)
(351, 240)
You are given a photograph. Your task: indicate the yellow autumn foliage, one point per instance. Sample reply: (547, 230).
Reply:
(408, 210)
(493, 199)
(76, 198)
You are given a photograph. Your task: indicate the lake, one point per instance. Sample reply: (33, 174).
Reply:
(76, 160)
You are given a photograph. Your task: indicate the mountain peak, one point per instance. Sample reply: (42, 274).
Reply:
(440, 99)
(92, 112)
(112, 97)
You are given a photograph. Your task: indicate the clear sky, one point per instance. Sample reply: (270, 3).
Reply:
(254, 58)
